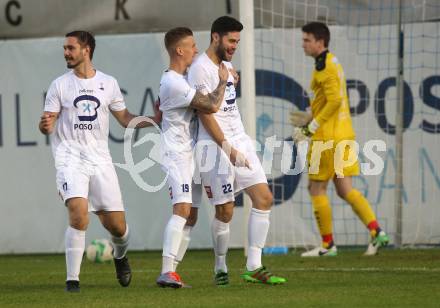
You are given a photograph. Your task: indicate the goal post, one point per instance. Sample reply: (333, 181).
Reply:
(247, 81)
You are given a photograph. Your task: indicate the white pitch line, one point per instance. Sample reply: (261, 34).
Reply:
(363, 269)
(292, 269)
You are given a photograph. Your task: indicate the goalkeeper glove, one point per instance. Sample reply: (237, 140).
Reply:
(305, 132)
(300, 118)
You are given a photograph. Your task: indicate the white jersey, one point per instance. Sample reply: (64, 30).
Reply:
(178, 119)
(203, 76)
(82, 127)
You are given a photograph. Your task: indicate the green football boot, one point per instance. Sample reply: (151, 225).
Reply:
(262, 275)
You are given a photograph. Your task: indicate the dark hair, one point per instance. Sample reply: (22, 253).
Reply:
(84, 39)
(173, 36)
(319, 30)
(225, 24)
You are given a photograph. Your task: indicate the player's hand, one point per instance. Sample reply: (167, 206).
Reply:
(300, 118)
(157, 112)
(238, 159)
(47, 122)
(235, 75)
(301, 134)
(223, 73)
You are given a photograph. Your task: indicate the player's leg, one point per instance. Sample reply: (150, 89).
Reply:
(106, 202)
(258, 228)
(363, 210)
(220, 240)
(321, 170)
(254, 182)
(180, 173)
(323, 215)
(73, 187)
(116, 225)
(222, 197)
(186, 237)
(218, 181)
(75, 240)
(172, 239)
(190, 223)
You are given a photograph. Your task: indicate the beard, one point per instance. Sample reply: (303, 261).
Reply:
(221, 53)
(72, 64)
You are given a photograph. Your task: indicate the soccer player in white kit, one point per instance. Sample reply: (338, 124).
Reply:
(79, 103)
(179, 102)
(228, 177)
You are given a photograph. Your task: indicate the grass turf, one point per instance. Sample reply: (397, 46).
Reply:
(395, 278)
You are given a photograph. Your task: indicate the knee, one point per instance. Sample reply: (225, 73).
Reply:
(264, 201)
(343, 193)
(224, 213)
(317, 189)
(117, 231)
(192, 219)
(182, 210)
(79, 222)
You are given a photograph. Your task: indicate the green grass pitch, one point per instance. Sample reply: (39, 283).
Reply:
(395, 278)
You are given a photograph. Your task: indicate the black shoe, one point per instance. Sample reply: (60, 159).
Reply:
(123, 271)
(72, 286)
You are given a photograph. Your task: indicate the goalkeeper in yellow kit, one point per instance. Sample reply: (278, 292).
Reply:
(332, 154)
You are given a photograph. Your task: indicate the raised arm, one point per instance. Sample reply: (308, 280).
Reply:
(211, 102)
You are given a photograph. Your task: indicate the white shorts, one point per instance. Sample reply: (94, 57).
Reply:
(221, 180)
(181, 186)
(98, 184)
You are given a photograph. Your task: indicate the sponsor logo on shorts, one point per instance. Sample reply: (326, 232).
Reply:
(208, 191)
(171, 192)
(61, 196)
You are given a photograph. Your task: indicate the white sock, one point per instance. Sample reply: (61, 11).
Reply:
(120, 244)
(186, 238)
(75, 241)
(220, 239)
(257, 233)
(171, 242)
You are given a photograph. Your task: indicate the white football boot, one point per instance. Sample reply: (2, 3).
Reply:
(321, 252)
(376, 242)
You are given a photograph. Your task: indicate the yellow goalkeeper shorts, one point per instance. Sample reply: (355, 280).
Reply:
(328, 159)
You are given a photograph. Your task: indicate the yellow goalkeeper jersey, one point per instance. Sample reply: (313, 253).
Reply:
(329, 103)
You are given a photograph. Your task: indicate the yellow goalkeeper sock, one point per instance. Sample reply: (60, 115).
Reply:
(323, 215)
(362, 208)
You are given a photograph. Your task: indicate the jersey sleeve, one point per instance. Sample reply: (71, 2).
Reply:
(179, 93)
(52, 102)
(331, 84)
(197, 79)
(117, 100)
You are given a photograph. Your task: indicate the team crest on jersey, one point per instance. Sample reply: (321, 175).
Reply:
(230, 93)
(208, 191)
